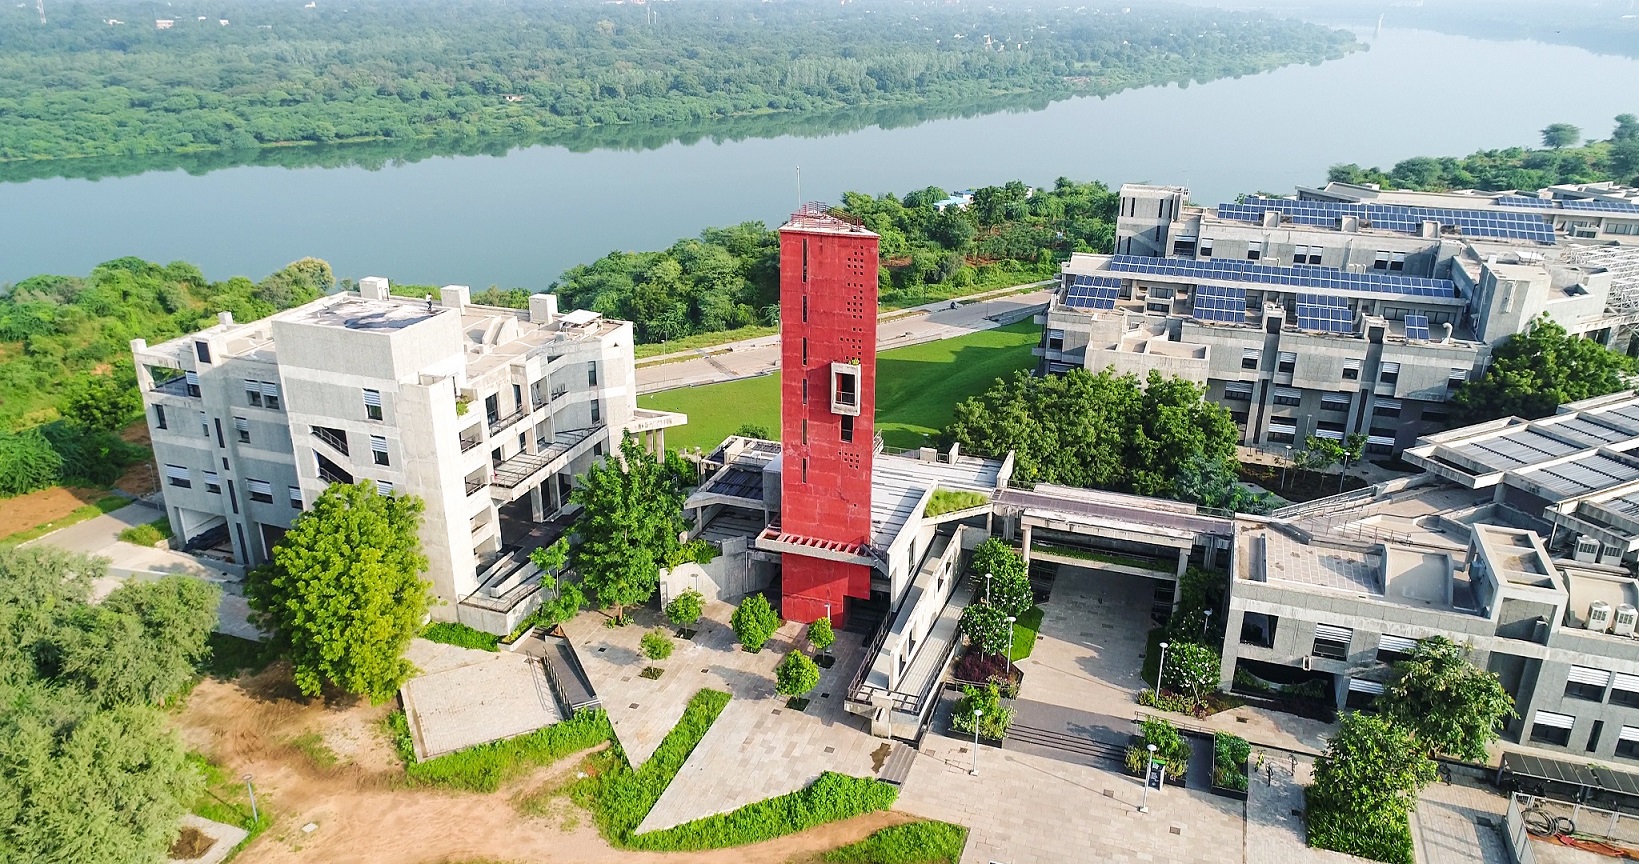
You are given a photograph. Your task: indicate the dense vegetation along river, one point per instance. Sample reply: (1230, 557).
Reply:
(521, 218)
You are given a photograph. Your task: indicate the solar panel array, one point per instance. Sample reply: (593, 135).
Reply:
(1092, 292)
(1324, 313)
(1220, 303)
(1298, 276)
(1524, 201)
(1417, 327)
(1601, 206)
(1396, 217)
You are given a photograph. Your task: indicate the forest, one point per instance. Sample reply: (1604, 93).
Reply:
(1615, 158)
(121, 78)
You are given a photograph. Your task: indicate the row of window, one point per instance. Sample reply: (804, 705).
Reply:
(1554, 729)
(259, 491)
(1332, 642)
(1385, 260)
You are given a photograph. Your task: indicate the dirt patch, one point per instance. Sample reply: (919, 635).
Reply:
(193, 843)
(22, 512)
(364, 812)
(141, 478)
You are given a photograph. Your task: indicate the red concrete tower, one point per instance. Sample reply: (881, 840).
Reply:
(828, 273)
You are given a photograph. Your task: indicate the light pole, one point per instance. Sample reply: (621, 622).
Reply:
(1206, 623)
(1010, 620)
(987, 587)
(1285, 465)
(1160, 671)
(977, 715)
(255, 818)
(1149, 768)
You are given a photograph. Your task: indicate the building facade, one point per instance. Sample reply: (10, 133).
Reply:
(484, 413)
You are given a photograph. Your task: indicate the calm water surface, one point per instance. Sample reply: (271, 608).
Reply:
(522, 218)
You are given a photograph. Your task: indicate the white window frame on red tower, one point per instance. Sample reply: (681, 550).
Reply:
(841, 372)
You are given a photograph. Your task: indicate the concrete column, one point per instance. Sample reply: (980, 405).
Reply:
(1027, 545)
(659, 442)
(536, 505)
(1183, 561)
(1232, 644)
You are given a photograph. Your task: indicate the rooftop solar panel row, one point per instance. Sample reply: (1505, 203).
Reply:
(1300, 276)
(1478, 222)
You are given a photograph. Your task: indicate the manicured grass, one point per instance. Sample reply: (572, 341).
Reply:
(224, 799)
(917, 389)
(485, 767)
(148, 534)
(830, 798)
(1152, 656)
(1024, 633)
(231, 655)
(703, 340)
(950, 500)
(461, 636)
(912, 843)
(619, 797)
(105, 504)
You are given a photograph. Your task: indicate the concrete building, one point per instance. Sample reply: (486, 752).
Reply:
(1329, 315)
(1519, 542)
(484, 413)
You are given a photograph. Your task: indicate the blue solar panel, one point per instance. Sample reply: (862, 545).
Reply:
(1601, 206)
(1477, 222)
(1417, 327)
(1523, 201)
(1220, 303)
(1092, 292)
(1325, 319)
(1300, 276)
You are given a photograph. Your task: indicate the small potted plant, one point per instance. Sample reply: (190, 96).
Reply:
(657, 646)
(795, 677)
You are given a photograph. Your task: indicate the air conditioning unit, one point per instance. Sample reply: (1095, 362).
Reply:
(1587, 550)
(1626, 618)
(1599, 616)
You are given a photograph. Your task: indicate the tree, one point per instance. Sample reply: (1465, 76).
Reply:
(1213, 483)
(820, 634)
(105, 402)
(686, 608)
(1559, 135)
(143, 643)
(1534, 372)
(754, 430)
(1452, 706)
(629, 524)
(1009, 585)
(1627, 128)
(985, 625)
(1365, 787)
(796, 675)
(343, 594)
(754, 622)
(1200, 594)
(551, 558)
(27, 462)
(1191, 669)
(656, 645)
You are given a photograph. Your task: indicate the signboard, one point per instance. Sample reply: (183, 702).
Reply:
(1156, 776)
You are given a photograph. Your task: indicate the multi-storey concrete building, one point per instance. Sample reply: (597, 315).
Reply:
(1345, 310)
(484, 413)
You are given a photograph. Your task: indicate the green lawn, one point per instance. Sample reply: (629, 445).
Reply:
(1024, 633)
(917, 389)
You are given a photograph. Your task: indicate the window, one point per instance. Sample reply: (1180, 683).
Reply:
(1254, 250)
(1385, 260)
(847, 427)
(270, 395)
(219, 442)
(159, 417)
(204, 424)
(805, 338)
(1250, 358)
(253, 393)
(1055, 340)
(597, 449)
(177, 475)
(805, 469)
(1283, 429)
(1288, 396)
(1629, 228)
(1397, 261)
(805, 308)
(1334, 402)
(518, 396)
(1389, 373)
(846, 389)
(1332, 642)
(213, 482)
(1288, 362)
(805, 259)
(805, 430)
(597, 411)
(1627, 742)
(1205, 249)
(1386, 408)
(1184, 246)
(1258, 628)
(233, 498)
(805, 391)
(378, 449)
(191, 381)
(1456, 379)
(295, 497)
(592, 374)
(1625, 690)
(202, 350)
(1351, 370)
(1585, 682)
(383, 487)
(1239, 390)
(1392, 648)
(260, 491)
(372, 405)
(242, 427)
(1306, 254)
(1593, 737)
(1552, 729)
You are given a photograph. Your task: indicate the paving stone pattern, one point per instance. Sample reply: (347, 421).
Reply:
(475, 697)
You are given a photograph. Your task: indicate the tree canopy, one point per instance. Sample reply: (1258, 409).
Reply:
(101, 78)
(89, 768)
(1095, 430)
(1534, 372)
(631, 515)
(1365, 787)
(1513, 167)
(343, 594)
(1452, 706)
(1560, 135)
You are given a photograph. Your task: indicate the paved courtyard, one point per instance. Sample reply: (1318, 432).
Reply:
(464, 698)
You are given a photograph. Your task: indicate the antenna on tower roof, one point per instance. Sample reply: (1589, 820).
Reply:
(799, 182)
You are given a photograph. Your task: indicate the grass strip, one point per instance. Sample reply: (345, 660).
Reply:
(950, 500)
(460, 635)
(927, 842)
(105, 504)
(831, 798)
(1024, 633)
(224, 798)
(485, 767)
(619, 797)
(702, 340)
(148, 533)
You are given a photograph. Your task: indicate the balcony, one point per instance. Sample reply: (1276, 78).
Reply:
(496, 424)
(336, 438)
(177, 386)
(470, 439)
(330, 472)
(476, 483)
(525, 470)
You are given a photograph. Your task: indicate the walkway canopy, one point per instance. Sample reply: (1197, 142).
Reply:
(1583, 783)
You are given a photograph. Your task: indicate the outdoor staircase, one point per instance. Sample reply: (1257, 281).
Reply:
(898, 766)
(1072, 744)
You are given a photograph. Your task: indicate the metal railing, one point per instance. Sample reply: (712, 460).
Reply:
(330, 436)
(500, 423)
(469, 443)
(475, 485)
(1519, 838)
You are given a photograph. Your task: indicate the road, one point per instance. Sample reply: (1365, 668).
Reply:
(895, 329)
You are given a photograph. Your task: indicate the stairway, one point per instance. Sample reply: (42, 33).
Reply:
(1072, 744)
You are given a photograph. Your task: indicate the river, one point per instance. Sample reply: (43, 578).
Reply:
(520, 218)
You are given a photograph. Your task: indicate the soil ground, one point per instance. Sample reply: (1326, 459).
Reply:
(364, 813)
(141, 478)
(22, 512)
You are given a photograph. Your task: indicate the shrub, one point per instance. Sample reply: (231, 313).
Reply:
(148, 534)
(830, 798)
(1171, 750)
(820, 634)
(485, 767)
(686, 608)
(92, 456)
(1378, 839)
(656, 645)
(754, 622)
(1229, 755)
(980, 668)
(912, 843)
(986, 628)
(27, 462)
(795, 675)
(1166, 701)
(460, 635)
(994, 720)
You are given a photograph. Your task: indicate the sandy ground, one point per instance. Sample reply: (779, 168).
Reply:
(363, 814)
(22, 512)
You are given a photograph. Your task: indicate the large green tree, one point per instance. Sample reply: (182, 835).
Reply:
(1534, 372)
(1009, 584)
(1365, 787)
(343, 594)
(1096, 430)
(144, 642)
(631, 515)
(1454, 707)
(1558, 135)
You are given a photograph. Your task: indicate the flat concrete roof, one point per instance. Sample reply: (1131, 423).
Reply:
(358, 313)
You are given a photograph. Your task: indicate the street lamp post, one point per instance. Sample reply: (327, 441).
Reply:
(1160, 671)
(977, 716)
(1010, 620)
(987, 587)
(1149, 768)
(1207, 622)
(1284, 465)
(255, 818)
